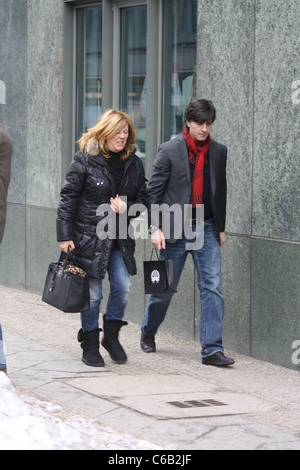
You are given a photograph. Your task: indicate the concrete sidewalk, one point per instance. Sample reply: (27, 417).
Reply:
(168, 399)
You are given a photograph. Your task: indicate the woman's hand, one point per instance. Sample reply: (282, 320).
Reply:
(117, 205)
(64, 246)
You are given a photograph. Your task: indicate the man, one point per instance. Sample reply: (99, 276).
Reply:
(191, 170)
(5, 164)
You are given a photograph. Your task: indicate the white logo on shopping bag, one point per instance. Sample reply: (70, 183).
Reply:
(155, 277)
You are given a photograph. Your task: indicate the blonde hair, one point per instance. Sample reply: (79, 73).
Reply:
(108, 125)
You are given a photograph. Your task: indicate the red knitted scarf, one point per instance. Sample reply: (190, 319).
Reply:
(197, 156)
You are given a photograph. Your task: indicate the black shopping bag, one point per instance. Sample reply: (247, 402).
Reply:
(67, 286)
(159, 276)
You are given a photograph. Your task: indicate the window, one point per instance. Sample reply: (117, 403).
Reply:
(133, 39)
(88, 68)
(179, 63)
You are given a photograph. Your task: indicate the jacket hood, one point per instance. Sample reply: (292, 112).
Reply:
(92, 147)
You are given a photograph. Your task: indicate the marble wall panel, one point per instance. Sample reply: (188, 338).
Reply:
(236, 283)
(13, 72)
(45, 92)
(41, 246)
(276, 175)
(225, 53)
(275, 321)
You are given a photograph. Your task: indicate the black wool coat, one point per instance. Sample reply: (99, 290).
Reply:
(85, 196)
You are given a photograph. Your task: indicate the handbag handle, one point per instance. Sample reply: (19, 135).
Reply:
(64, 257)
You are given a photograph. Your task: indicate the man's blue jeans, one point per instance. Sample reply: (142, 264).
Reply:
(2, 355)
(120, 287)
(207, 261)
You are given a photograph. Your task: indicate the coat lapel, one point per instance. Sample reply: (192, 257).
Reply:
(184, 156)
(212, 166)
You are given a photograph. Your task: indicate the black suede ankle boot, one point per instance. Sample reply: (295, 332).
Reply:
(90, 344)
(110, 340)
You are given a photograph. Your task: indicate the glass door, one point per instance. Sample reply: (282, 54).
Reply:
(88, 68)
(133, 40)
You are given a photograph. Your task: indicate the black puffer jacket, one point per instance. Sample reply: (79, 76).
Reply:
(88, 185)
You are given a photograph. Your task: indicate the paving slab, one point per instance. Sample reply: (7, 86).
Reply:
(170, 397)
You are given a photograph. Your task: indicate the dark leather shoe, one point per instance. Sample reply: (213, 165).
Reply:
(218, 359)
(148, 343)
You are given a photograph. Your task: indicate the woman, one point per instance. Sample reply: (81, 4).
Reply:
(104, 179)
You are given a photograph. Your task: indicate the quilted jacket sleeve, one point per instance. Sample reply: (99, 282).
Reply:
(69, 197)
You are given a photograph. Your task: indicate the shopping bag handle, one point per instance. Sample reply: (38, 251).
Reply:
(158, 255)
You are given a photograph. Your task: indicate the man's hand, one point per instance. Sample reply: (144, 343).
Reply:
(158, 240)
(222, 238)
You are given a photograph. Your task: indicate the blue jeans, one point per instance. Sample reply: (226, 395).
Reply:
(2, 355)
(207, 261)
(120, 287)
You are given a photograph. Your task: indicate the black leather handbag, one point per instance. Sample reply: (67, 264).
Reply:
(159, 276)
(67, 286)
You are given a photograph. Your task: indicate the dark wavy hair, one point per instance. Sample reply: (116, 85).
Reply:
(200, 111)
